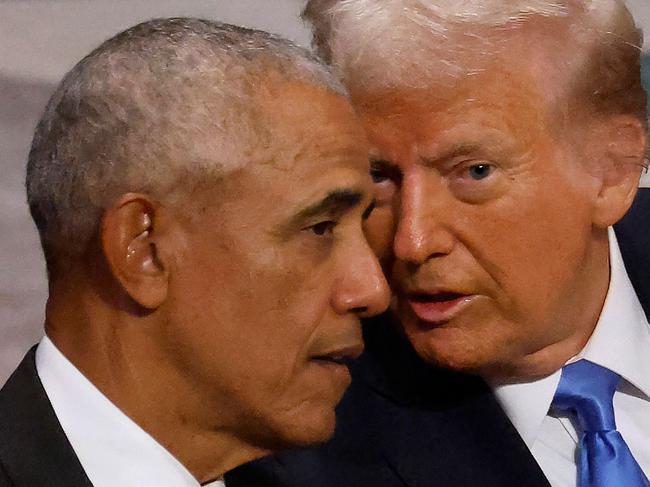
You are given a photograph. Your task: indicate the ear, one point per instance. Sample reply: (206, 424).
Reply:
(621, 146)
(129, 242)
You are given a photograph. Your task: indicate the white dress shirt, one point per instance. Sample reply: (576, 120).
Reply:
(621, 343)
(113, 450)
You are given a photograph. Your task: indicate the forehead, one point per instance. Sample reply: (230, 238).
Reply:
(503, 104)
(519, 73)
(311, 124)
(312, 144)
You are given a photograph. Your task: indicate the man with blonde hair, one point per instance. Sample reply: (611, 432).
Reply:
(199, 189)
(508, 139)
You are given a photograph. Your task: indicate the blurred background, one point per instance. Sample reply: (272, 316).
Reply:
(40, 40)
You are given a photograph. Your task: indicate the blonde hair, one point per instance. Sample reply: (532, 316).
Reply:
(381, 44)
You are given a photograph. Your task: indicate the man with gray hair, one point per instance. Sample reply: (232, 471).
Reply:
(508, 140)
(199, 190)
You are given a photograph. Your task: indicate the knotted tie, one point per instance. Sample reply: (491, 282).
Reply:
(586, 391)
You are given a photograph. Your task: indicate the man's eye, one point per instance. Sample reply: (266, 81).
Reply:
(480, 171)
(378, 175)
(323, 227)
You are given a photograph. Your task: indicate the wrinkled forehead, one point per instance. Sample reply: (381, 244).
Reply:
(289, 134)
(310, 125)
(498, 86)
(501, 107)
(521, 75)
(311, 146)
(544, 47)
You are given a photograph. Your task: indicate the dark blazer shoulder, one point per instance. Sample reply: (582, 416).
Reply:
(5, 481)
(34, 450)
(633, 235)
(405, 423)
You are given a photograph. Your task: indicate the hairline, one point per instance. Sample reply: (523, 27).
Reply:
(52, 209)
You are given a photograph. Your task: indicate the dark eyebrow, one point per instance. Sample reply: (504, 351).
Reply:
(380, 163)
(368, 211)
(388, 168)
(335, 203)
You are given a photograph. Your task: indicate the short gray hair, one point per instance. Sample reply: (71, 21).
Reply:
(377, 45)
(155, 109)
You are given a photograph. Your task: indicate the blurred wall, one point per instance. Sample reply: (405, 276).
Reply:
(43, 39)
(39, 41)
(645, 75)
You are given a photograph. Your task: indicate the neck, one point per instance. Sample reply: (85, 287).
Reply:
(577, 319)
(120, 354)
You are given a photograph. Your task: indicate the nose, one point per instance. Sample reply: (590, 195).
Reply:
(421, 233)
(362, 289)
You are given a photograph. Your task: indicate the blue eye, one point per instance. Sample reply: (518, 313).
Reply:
(480, 171)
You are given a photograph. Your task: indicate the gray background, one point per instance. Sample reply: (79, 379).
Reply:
(39, 41)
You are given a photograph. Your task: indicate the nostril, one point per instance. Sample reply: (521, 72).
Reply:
(360, 310)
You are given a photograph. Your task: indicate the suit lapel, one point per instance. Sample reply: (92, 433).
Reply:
(633, 234)
(436, 418)
(33, 447)
(472, 444)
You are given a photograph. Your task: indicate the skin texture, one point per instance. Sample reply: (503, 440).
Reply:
(204, 321)
(502, 199)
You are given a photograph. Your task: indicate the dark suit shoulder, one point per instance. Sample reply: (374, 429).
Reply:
(405, 423)
(633, 234)
(5, 481)
(34, 450)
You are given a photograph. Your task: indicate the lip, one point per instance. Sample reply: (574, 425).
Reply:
(332, 365)
(435, 308)
(338, 356)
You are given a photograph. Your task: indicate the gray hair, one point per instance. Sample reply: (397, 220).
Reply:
(382, 24)
(160, 107)
(378, 45)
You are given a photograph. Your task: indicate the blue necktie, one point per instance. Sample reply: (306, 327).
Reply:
(586, 391)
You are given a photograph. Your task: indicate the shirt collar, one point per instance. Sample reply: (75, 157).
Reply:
(111, 447)
(620, 342)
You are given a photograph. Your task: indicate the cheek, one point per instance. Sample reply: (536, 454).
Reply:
(530, 250)
(280, 311)
(304, 312)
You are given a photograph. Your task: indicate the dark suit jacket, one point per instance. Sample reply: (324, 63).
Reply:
(403, 423)
(34, 451)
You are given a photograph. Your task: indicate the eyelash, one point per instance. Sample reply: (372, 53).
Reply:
(321, 228)
(490, 168)
(464, 170)
(383, 171)
(378, 175)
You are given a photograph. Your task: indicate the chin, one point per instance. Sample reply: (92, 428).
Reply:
(451, 349)
(312, 429)
(303, 428)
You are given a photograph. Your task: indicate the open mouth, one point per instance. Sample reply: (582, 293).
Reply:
(438, 307)
(436, 298)
(333, 360)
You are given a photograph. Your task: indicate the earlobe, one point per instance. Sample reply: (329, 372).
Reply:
(622, 163)
(130, 245)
